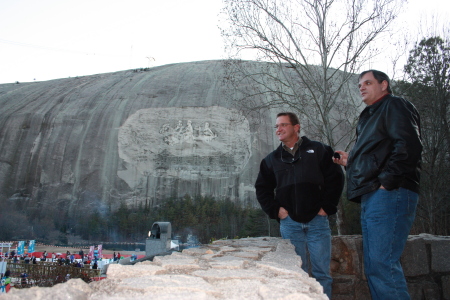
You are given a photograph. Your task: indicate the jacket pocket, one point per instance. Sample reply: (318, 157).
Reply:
(284, 176)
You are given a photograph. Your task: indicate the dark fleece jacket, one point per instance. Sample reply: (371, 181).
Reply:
(302, 184)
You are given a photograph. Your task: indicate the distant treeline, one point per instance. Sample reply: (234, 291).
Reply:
(202, 216)
(205, 217)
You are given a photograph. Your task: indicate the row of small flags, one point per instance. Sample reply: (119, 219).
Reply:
(95, 253)
(21, 247)
(92, 251)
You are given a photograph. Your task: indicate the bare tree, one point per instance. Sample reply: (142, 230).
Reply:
(310, 50)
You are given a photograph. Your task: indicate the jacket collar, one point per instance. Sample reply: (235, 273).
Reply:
(372, 108)
(304, 141)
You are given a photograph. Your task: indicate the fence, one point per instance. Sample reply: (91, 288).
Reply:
(47, 274)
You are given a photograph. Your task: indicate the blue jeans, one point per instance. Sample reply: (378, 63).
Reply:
(386, 219)
(313, 237)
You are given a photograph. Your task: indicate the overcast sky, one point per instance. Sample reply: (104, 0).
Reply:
(49, 39)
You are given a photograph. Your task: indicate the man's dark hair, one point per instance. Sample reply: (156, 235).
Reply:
(292, 117)
(380, 77)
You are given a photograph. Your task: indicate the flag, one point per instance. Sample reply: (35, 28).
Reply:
(31, 246)
(21, 248)
(100, 248)
(91, 253)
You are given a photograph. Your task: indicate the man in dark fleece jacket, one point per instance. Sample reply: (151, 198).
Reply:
(299, 185)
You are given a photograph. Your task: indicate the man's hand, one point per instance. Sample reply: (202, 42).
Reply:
(322, 212)
(341, 161)
(282, 213)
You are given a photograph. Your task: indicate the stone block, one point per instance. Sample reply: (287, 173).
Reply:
(440, 249)
(431, 291)
(197, 251)
(423, 289)
(415, 290)
(334, 266)
(248, 255)
(362, 290)
(228, 262)
(415, 261)
(116, 271)
(343, 285)
(347, 253)
(446, 287)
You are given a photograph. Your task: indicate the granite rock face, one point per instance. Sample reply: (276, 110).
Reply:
(130, 136)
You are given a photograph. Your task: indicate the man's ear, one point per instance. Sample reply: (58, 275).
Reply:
(384, 85)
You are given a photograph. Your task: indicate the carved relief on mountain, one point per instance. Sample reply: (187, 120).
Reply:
(184, 142)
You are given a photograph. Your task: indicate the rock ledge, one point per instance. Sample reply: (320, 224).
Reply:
(251, 268)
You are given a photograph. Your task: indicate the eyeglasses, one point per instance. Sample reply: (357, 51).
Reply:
(293, 159)
(282, 125)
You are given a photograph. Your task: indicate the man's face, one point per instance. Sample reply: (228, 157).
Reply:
(370, 89)
(285, 131)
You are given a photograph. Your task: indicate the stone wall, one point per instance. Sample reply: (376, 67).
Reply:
(425, 262)
(257, 268)
(252, 268)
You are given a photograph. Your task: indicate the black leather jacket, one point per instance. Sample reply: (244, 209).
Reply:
(388, 149)
(302, 184)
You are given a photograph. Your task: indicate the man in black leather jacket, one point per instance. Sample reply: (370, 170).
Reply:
(299, 185)
(383, 173)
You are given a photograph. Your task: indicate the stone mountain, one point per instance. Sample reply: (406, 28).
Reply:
(133, 136)
(129, 136)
